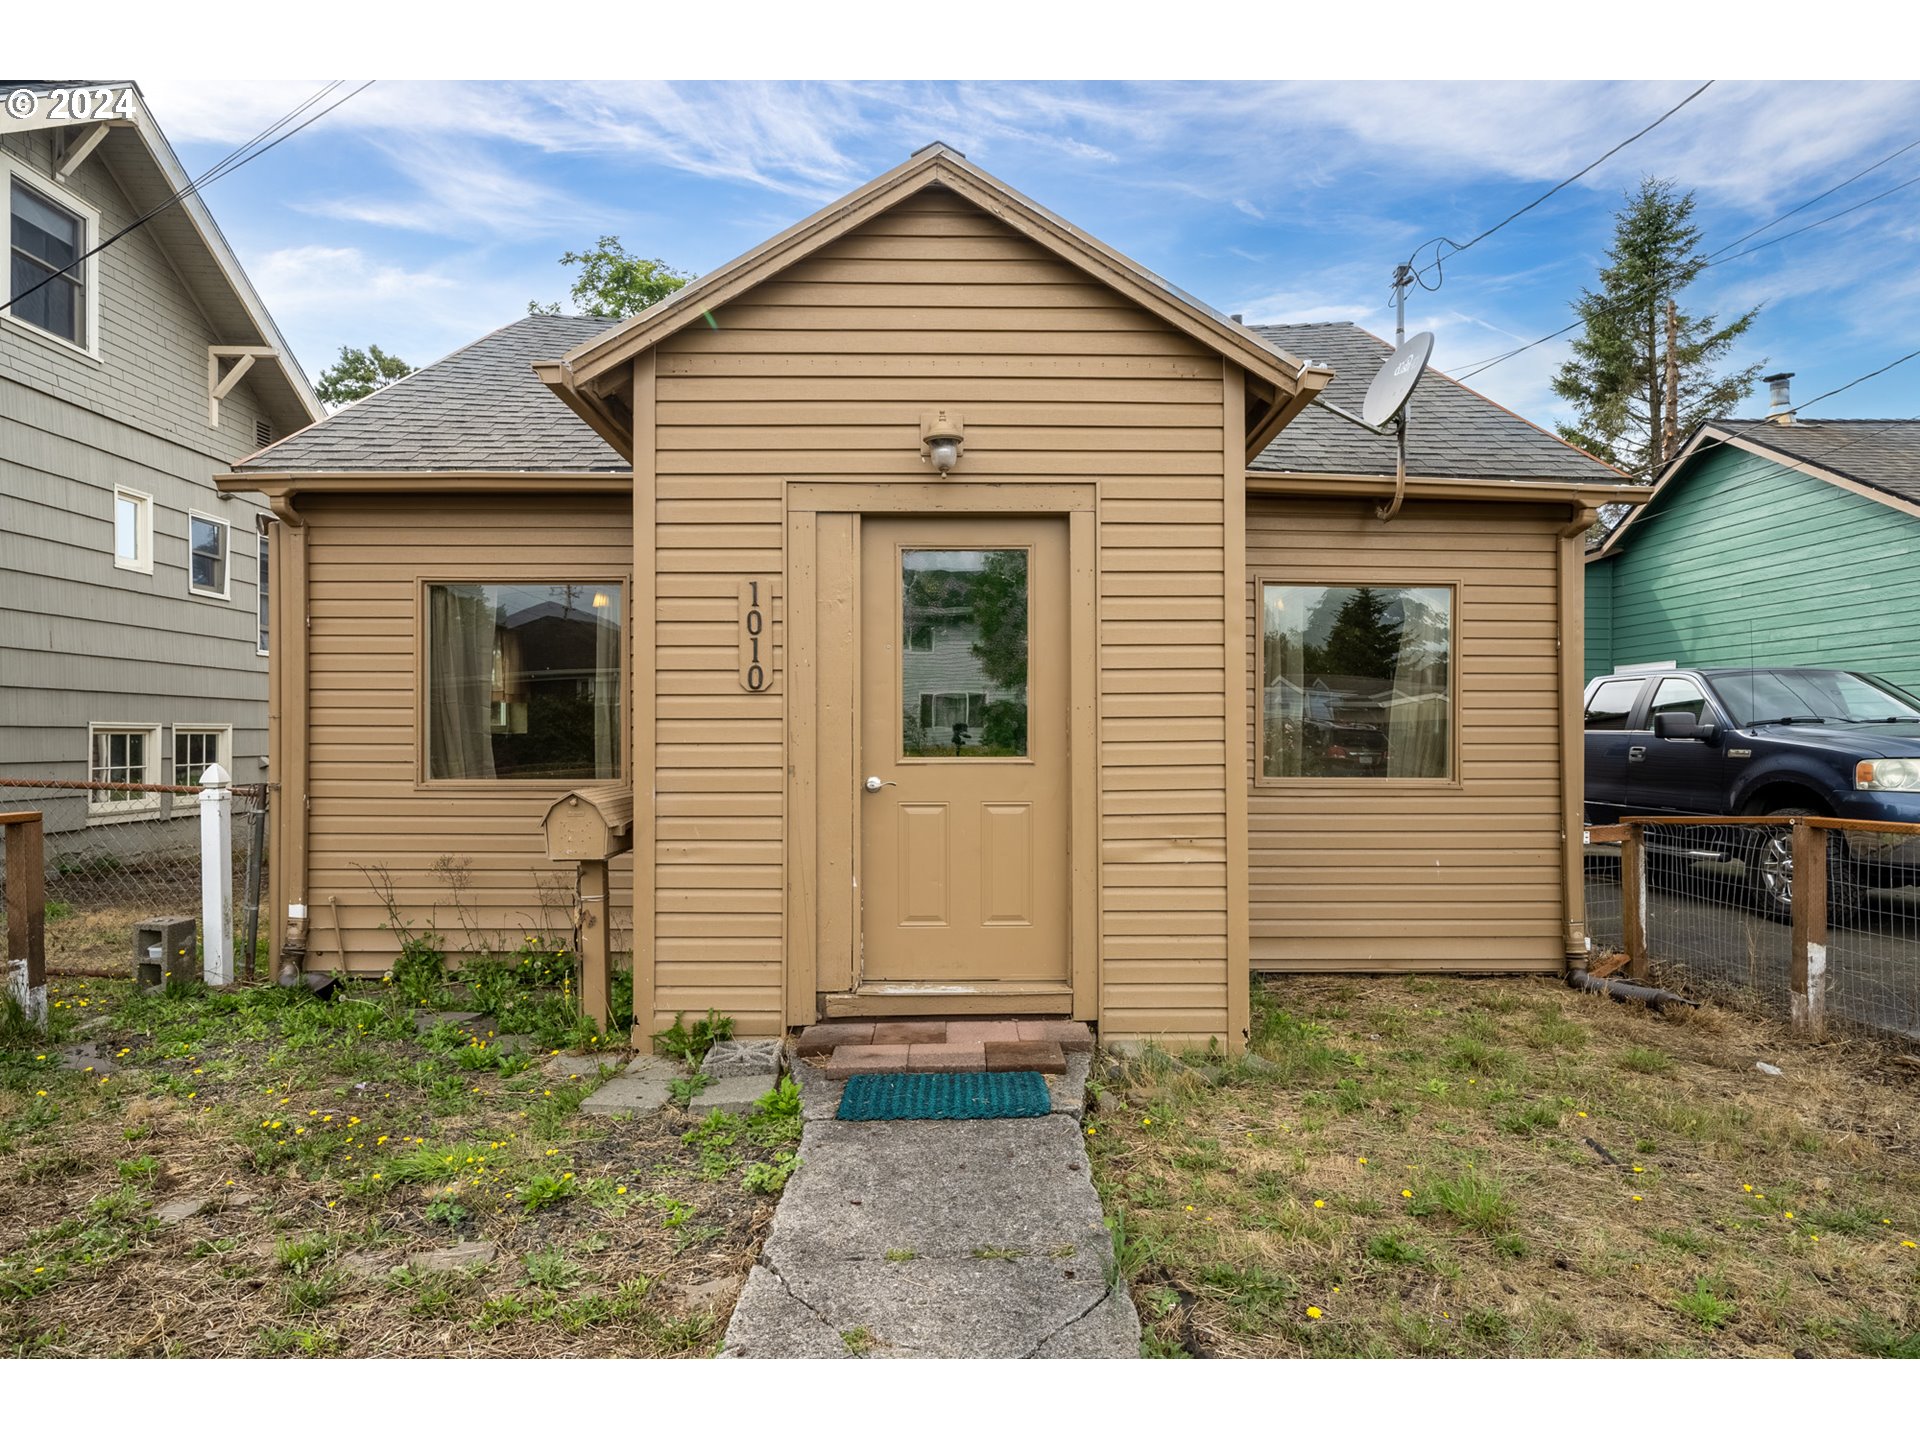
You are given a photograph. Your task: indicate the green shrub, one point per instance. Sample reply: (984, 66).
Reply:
(420, 969)
(691, 1043)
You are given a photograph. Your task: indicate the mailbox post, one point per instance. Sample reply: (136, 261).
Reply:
(590, 826)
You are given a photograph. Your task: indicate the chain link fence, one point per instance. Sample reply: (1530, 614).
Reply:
(1714, 916)
(119, 855)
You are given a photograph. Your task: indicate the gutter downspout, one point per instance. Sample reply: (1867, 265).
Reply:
(1572, 602)
(287, 738)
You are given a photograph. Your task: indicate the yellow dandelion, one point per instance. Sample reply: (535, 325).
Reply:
(1146, 1120)
(1406, 1194)
(1639, 1169)
(331, 1204)
(1363, 1159)
(620, 1190)
(1090, 1129)
(1313, 1312)
(40, 1092)
(1319, 1204)
(1907, 1244)
(1581, 1113)
(1747, 1188)
(1636, 1199)
(380, 1140)
(1789, 1214)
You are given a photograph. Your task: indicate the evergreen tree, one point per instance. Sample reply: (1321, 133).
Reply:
(1642, 374)
(1363, 640)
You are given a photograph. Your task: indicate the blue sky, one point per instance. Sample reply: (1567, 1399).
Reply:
(421, 214)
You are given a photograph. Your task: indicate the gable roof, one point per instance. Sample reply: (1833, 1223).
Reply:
(1879, 459)
(142, 163)
(1452, 432)
(1279, 383)
(479, 410)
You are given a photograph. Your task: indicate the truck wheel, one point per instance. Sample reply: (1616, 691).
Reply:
(1770, 870)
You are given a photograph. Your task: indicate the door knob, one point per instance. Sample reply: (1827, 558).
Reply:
(874, 783)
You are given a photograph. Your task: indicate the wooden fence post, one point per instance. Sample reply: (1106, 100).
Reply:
(23, 833)
(595, 964)
(1633, 900)
(1808, 973)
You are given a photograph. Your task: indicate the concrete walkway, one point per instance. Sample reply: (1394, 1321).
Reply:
(937, 1238)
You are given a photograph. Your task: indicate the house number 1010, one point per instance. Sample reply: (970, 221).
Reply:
(756, 636)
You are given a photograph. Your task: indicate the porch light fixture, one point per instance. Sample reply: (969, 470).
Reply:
(942, 437)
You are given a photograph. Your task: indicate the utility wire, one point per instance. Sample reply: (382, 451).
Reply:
(1718, 257)
(233, 161)
(1458, 249)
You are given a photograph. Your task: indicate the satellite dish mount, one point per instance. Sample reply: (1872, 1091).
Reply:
(1387, 397)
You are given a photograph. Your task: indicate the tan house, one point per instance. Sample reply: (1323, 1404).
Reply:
(954, 598)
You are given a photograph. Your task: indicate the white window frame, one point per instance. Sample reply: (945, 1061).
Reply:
(142, 561)
(225, 592)
(195, 727)
(11, 167)
(134, 807)
(263, 596)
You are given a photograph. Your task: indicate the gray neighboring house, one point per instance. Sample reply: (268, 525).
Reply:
(132, 623)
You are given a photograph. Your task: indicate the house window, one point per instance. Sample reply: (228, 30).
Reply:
(123, 755)
(195, 748)
(920, 639)
(46, 238)
(1357, 682)
(132, 530)
(523, 681)
(261, 596)
(207, 556)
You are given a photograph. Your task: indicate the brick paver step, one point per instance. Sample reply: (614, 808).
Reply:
(1042, 1055)
(824, 1039)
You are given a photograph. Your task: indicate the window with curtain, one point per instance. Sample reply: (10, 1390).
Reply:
(523, 681)
(1356, 682)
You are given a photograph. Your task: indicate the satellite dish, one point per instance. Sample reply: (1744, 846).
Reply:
(1393, 386)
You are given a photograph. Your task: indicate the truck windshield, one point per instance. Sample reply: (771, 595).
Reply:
(1759, 697)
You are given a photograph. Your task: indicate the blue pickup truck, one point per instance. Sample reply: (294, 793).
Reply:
(1760, 742)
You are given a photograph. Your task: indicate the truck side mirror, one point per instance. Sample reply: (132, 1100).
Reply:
(1681, 725)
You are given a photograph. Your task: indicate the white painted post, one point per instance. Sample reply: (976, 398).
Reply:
(216, 876)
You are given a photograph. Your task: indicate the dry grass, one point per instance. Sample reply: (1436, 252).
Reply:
(364, 1148)
(1504, 1167)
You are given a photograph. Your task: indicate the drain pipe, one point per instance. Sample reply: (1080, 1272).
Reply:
(1580, 978)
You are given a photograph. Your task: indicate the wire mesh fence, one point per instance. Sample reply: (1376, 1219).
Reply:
(1809, 919)
(117, 856)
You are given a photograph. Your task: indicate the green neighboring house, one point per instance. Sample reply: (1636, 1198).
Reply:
(1779, 543)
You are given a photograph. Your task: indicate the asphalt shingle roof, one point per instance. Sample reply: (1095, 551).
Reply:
(1882, 453)
(1452, 432)
(480, 409)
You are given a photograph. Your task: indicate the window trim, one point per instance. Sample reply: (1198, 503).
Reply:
(106, 812)
(1354, 784)
(226, 558)
(197, 727)
(516, 575)
(142, 563)
(12, 169)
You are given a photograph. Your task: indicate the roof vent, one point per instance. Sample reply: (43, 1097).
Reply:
(262, 434)
(1780, 397)
(1238, 319)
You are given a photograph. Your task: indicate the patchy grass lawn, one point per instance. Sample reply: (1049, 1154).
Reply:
(1427, 1167)
(335, 1148)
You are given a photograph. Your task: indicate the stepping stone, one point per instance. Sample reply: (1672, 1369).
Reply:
(975, 1032)
(432, 1019)
(948, 1059)
(87, 1057)
(1042, 1055)
(628, 1095)
(910, 1032)
(178, 1210)
(732, 1096)
(1070, 1035)
(573, 1067)
(456, 1257)
(655, 1067)
(867, 1060)
(825, 1039)
(368, 1267)
(729, 1058)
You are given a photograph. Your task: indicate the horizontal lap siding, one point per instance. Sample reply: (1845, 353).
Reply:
(1457, 879)
(365, 559)
(822, 374)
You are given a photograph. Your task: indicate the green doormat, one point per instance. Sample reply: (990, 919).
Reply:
(976, 1096)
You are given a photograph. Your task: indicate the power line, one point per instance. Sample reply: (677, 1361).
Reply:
(1651, 286)
(1459, 249)
(232, 162)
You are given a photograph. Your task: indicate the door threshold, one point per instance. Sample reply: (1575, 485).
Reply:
(890, 1000)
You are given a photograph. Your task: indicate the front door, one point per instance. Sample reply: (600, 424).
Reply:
(962, 752)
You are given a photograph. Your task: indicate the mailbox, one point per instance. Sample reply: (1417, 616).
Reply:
(592, 823)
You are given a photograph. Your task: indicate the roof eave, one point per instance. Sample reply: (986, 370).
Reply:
(590, 363)
(1442, 487)
(276, 483)
(558, 377)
